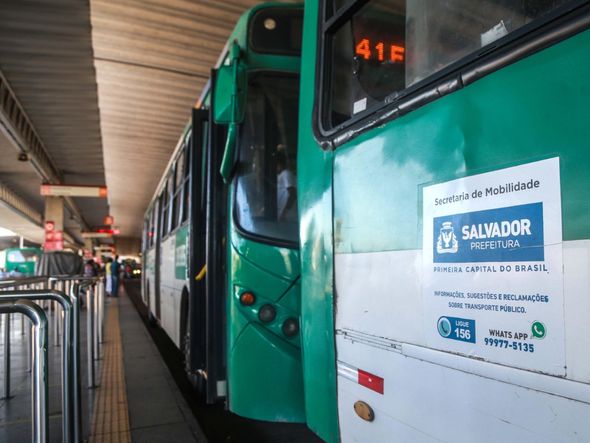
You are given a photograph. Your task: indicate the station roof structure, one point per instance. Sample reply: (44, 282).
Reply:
(97, 93)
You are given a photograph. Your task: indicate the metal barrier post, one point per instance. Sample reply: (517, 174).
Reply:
(90, 336)
(101, 311)
(40, 391)
(72, 417)
(6, 318)
(56, 340)
(76, 376)
(96, 322)
(68, 344)
(28, 339)
(74, 287)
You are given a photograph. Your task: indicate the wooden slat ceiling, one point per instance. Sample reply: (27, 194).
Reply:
(152, 59)
(109, 86)
(46, 56)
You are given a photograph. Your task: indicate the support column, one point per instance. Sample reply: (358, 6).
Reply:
(88, 246)
(54, 235)
(54, 211)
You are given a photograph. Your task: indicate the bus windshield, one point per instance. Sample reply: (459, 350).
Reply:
(266, 191)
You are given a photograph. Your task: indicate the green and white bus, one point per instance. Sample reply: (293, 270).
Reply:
(221, 233)
(435, 285)
(21, 261)
(444, 158)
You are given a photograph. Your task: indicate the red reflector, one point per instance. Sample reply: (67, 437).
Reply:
(371, 381)
(247, 298)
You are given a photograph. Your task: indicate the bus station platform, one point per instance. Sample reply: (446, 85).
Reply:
(135, 400)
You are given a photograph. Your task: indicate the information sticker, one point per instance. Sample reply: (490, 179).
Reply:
(492, 266)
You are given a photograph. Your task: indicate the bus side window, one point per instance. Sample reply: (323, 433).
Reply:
(378, 50)
(178, 186)
(186, 192)
(152, 232)
(164, 213)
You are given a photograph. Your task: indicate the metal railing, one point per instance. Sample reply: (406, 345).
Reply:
(49, 292)
(40, 388)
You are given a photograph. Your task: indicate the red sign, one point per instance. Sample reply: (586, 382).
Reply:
(54, 240)
(53, 245)
(100, 233)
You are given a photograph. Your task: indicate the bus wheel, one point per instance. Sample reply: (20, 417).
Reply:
(152, 320)
(185, 341)
(195, 379)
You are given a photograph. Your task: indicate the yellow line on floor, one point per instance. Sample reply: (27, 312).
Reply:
(110, 421)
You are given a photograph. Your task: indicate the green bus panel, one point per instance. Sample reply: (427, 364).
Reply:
(531, 110)
(513, 116)
(317, 278)
(265, 379)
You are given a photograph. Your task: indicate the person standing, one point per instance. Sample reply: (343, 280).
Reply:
(108, 280)
(115, 270)
(90, 269)
(286, 190)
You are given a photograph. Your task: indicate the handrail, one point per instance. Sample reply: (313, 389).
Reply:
(40, 389)
(10, 283)
(67, 347)
(19, 281)
(69, 299)
(76, 374)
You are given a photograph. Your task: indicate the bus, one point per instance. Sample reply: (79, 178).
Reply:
(21, 261)
(434, 283)
(220, 243)
(444, 222)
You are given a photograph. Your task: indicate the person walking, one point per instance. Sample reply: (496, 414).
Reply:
(115, 270)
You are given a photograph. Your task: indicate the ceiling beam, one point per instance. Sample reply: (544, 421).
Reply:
(19, 205)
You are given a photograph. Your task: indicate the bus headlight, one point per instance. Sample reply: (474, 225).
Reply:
(290, 327)
(267, 313)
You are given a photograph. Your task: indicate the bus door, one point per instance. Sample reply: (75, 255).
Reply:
(158, 256)
(207, 258)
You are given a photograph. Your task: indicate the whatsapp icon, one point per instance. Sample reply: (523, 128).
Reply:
(538, 330)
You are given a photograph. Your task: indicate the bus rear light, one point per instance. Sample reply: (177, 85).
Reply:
(247, 298)
(267, 313)
(290, 327)
(371, 381)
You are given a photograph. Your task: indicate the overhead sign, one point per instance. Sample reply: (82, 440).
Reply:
(95, 234)
(100, 233)
(492, 263)
(74, 191)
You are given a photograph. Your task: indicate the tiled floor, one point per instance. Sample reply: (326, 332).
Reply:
(157, 409)
(110, 422)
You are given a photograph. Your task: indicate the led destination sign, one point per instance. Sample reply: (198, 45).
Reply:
(380, 51)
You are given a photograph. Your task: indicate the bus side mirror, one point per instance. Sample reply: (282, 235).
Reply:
(229, 153)
(229, 99)
(230, 89)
